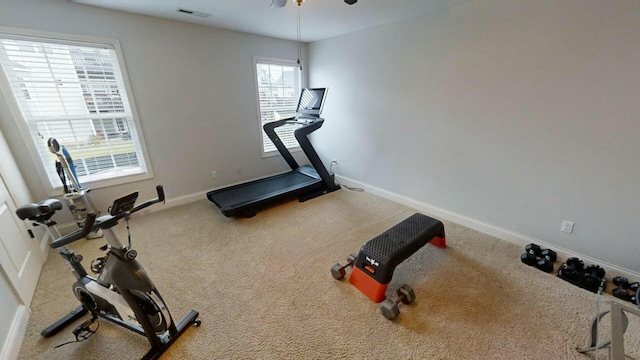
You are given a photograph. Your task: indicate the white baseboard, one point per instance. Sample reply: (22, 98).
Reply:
(11, 347)
(489, 229)
(183, 200)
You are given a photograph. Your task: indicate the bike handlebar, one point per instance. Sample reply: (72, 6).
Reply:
(160, 198)
(105, 221)
(76, 235)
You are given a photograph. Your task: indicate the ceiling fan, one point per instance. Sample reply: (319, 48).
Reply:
(281, 3)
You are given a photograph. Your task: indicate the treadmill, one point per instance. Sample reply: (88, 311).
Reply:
(302, 182)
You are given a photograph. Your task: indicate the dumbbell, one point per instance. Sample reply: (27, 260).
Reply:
(623, 287)
(622, 293)
(545, 265)
(530, 255)
(535, 256)
(389, 308)
(571, 269)
(529, 259)
(623, 282)
(533, 249)
(594, 277)
(339, 271)
(548, 257)
(549, 254)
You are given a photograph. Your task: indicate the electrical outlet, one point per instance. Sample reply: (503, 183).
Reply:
(238, 170)
(214, 174)
(567, 226)
(333, 166)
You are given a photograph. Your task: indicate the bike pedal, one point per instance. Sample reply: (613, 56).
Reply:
(83, 330)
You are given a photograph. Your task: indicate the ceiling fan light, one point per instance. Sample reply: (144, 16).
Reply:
(350, 2)
(278, 3)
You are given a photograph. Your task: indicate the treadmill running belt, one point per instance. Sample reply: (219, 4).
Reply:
(260, 189)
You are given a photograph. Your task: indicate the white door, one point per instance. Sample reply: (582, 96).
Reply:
(20, 265)
(20, 258)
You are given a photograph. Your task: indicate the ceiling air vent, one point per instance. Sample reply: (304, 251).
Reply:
(194, 13)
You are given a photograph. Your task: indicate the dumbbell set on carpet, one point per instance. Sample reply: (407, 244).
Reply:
(388, 308)
(543, 259)
(591, 277)
(624, 289)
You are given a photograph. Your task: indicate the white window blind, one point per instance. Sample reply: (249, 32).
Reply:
(279, 84)
(74, 92)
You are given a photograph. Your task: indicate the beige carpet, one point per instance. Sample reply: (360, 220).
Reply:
(264, 291)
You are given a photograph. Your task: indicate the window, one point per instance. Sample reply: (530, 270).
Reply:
(75, 92)
(278, 84)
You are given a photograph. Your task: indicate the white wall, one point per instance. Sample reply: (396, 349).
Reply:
(193, 86)
(517, 114)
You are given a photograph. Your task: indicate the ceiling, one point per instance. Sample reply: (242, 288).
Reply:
(320, 19)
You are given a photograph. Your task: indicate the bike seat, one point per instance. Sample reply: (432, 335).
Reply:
(40, 212)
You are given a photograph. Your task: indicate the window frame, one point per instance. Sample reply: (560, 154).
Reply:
(273, 61)
(23, 126)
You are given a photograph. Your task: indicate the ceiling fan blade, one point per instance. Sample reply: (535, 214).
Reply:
(278, 3)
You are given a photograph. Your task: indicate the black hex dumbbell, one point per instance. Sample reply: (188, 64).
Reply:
(530, 255)
(389, 308)
(623, 282)
(339, 271)
(545, 265)
(529, 259)
(548, 257)
(622, 293)
(533, 249)
(623, 287)
(543, 259)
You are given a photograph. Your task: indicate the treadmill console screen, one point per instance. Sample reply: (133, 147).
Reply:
(311, 101)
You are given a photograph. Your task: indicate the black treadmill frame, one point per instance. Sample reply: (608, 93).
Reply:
(320, 181)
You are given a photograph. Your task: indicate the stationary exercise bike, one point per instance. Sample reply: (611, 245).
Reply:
(122, 293)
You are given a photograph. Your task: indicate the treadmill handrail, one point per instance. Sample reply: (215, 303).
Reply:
(301, 135)
(270, 129)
